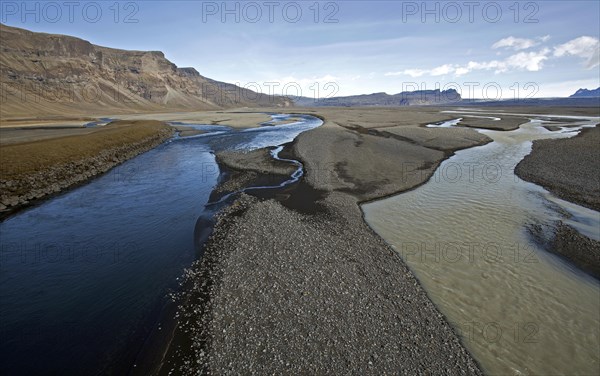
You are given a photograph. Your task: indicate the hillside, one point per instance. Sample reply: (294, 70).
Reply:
(49, 75)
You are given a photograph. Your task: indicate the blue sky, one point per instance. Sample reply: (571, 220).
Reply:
(509, 48)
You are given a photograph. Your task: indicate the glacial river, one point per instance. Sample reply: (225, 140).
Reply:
(519, 309)
(85, 274)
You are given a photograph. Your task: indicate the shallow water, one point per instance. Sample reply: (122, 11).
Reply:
(84, 275)
(519, 309)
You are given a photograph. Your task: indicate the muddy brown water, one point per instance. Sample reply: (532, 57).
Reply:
(519, 309)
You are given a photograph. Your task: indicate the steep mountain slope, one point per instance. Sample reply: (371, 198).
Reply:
(45, 74)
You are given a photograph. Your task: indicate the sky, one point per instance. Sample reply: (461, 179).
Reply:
(483, 49)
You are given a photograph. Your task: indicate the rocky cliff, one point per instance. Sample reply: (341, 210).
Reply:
(45, 74)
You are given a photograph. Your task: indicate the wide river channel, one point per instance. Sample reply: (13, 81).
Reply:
(519, 309)
(85, 274)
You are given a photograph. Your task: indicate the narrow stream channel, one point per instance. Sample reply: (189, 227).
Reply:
(520, 310)
(85, 274)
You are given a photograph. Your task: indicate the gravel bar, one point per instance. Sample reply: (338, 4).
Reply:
(288, 293)
(281, 290)
(566, 167)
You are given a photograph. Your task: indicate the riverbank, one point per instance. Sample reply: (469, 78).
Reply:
(35, 170)
(579, 249)
(566, 167)
(569, 169)
(314, 289)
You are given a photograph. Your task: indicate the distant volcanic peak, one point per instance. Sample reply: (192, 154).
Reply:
(433, 95)
(583, 93)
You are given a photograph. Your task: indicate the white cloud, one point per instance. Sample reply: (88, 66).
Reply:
(414, 72)
(409, 72)
(515, 43)
(442, 70)
(531, 61)
(584, 47)
(460, 71)
(437, 71)
(594, 60)
(519, 44)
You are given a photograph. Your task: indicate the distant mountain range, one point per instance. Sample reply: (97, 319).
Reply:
(406, 98)
(585, 93)
(56, 75)
(583, 98)
(539, 102)
(45, 75)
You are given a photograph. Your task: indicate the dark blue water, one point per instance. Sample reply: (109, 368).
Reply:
(84, 273)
